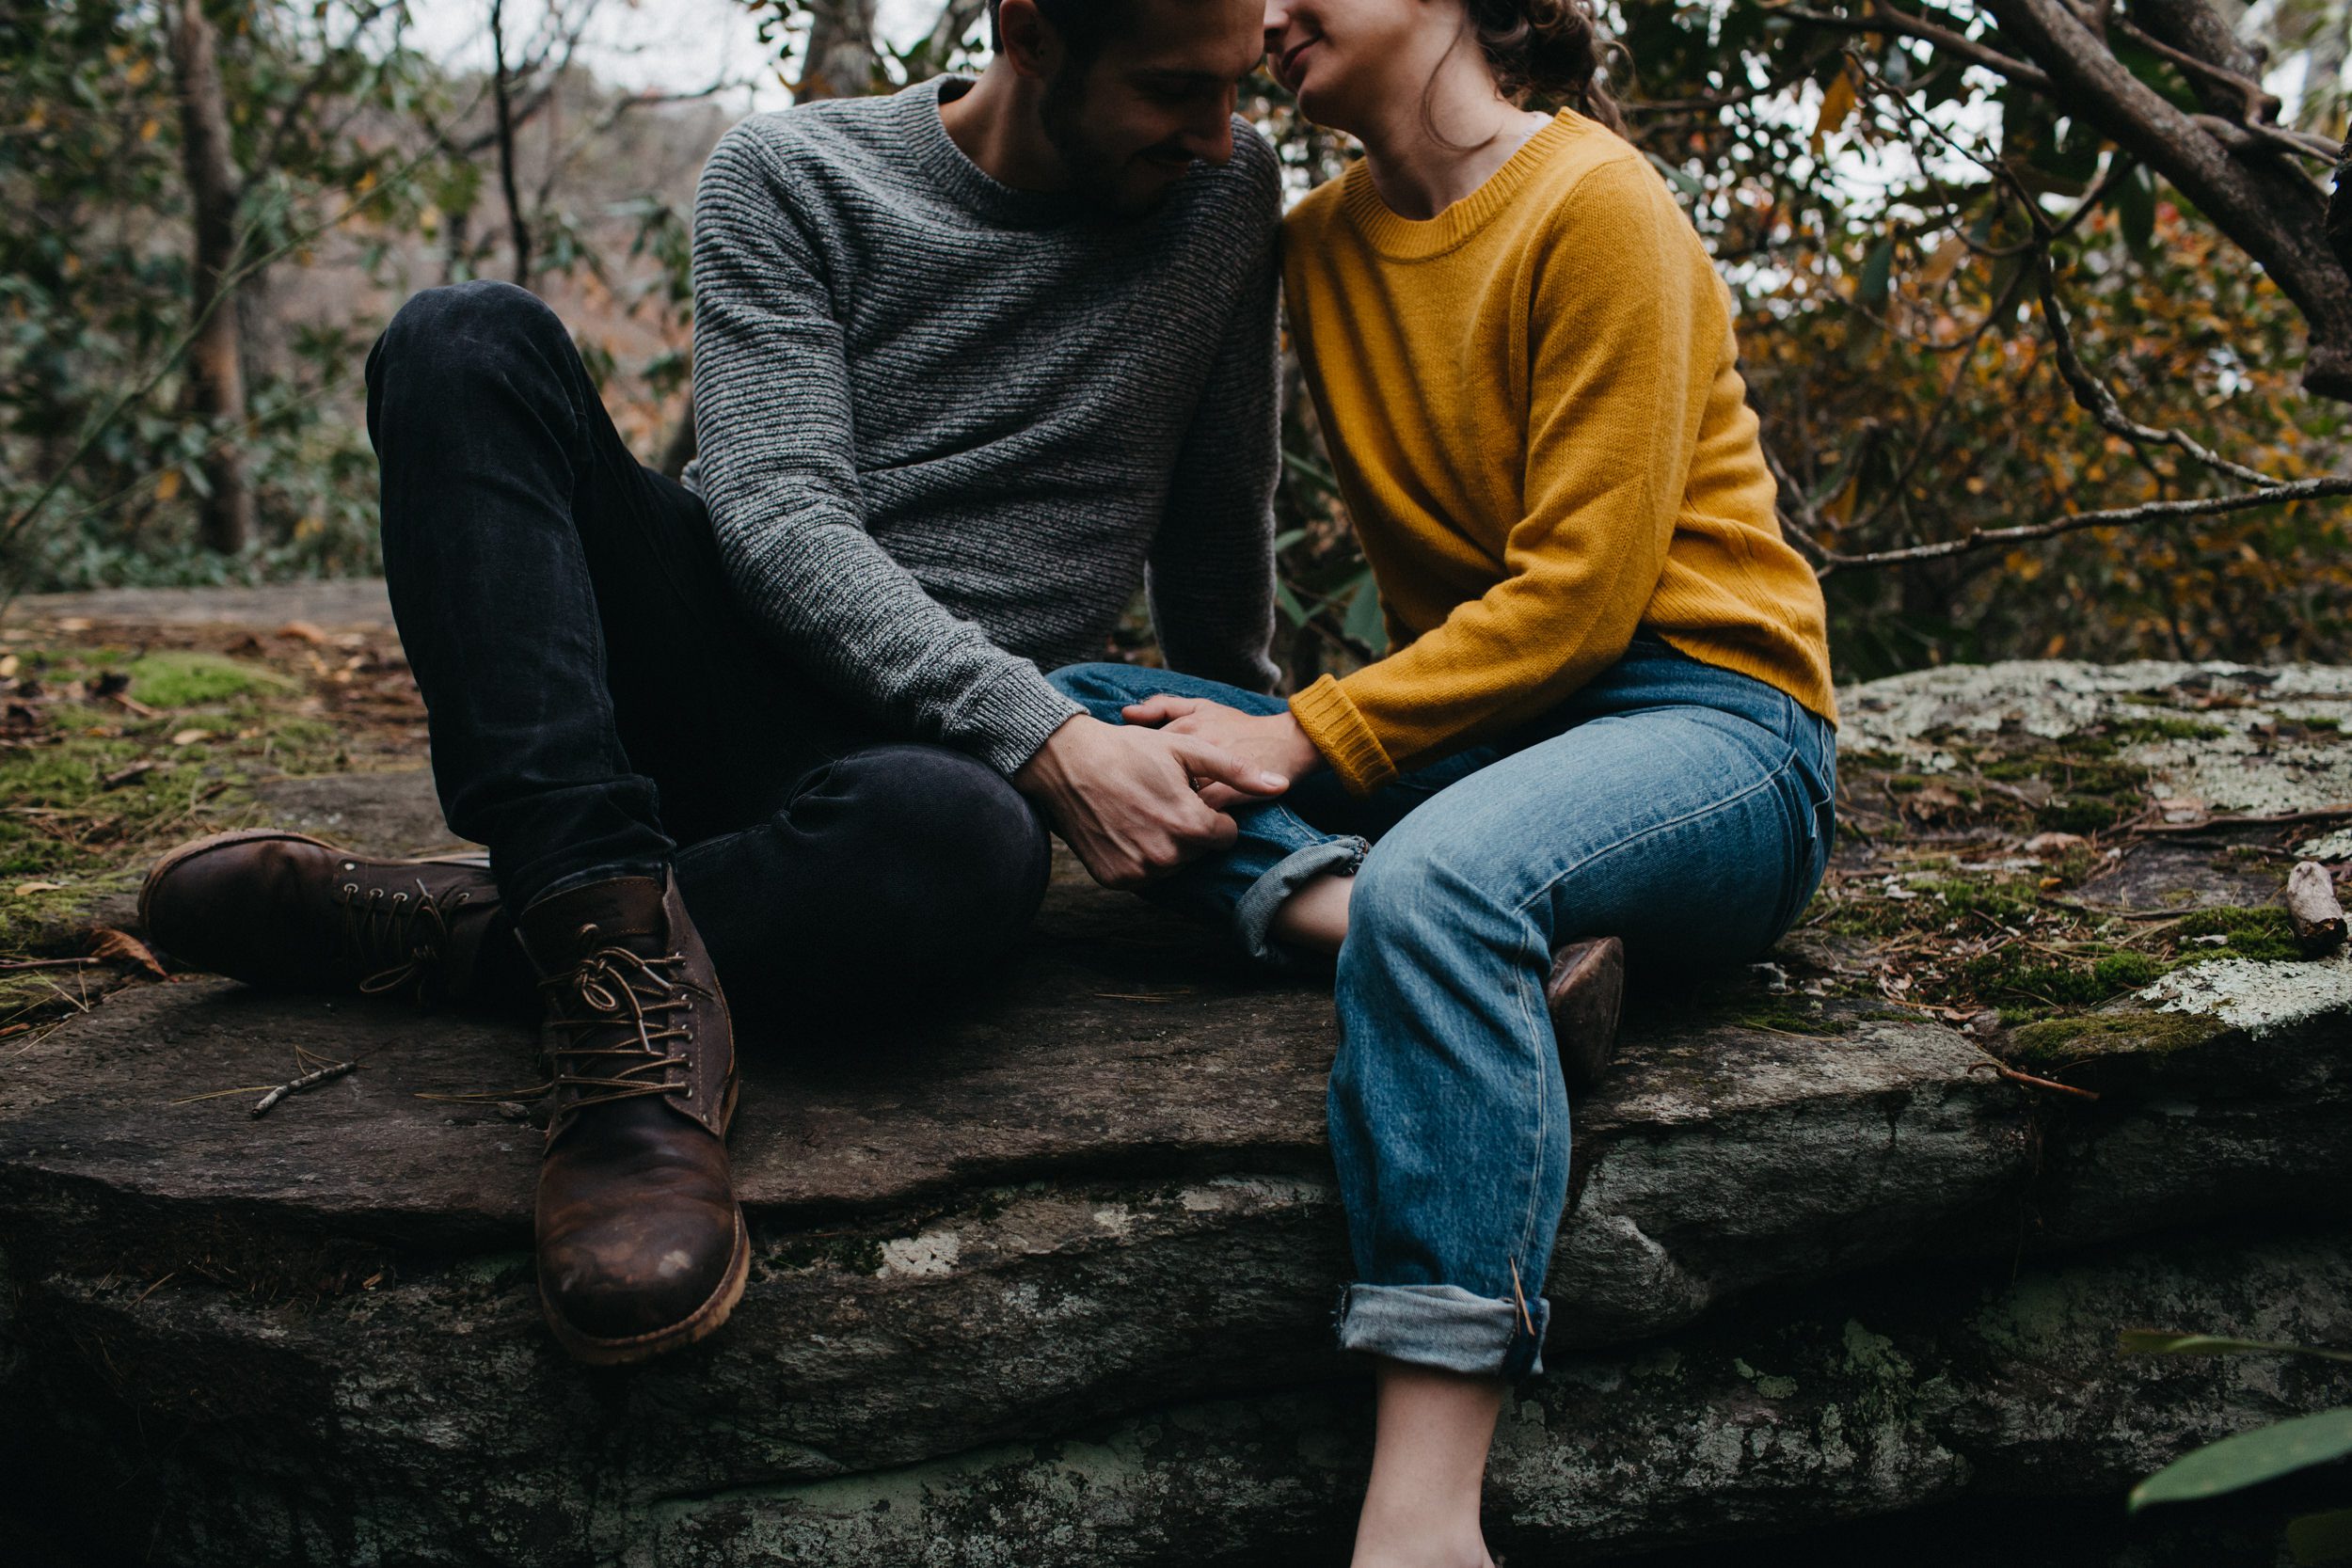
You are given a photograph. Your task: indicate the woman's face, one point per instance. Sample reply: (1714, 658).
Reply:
(1345, 60)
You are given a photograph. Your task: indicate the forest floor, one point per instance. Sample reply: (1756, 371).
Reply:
(129, 723)
(1987, 879)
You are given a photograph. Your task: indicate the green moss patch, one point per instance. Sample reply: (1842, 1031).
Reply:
(2130, 731)
(2018, 973)
(1783, 1018)
(2060, 1041)
(105, 759)
(2259, 933)
(186, 677)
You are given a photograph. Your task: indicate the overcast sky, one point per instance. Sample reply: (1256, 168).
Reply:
(648, 43)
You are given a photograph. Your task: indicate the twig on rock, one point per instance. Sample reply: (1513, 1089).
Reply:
(2016, 1077)
(308, 1081)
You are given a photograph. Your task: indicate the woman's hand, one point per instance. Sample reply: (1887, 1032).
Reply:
(1273, 742)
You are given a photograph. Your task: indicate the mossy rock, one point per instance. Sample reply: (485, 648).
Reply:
(2132, 1053)
(2057, 1042)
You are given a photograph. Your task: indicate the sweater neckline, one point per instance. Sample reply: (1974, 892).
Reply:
(971, 186)
(1407, 239)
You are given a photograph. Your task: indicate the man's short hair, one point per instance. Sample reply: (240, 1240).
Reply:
(1084, 26)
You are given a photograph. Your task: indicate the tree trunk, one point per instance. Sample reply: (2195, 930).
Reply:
(956, 18)
(841, 62)
(841, 59)
(517, 229)
(216, 385)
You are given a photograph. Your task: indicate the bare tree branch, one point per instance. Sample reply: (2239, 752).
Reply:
(364, 15)
(2270, 211)
(1884, 18)
(2147, 511)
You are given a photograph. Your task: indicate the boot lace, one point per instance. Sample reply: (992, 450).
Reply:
(619, 1008)
(406, 934)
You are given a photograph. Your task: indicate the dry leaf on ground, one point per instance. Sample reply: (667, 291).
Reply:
(107, 943)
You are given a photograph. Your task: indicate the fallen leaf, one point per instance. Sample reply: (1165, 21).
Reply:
(189, 738)
(75, 623)
(2054, 844)
(120, 946)
(8, 666)
(25, 889)
(117, 780)
(302, 631)
(1936, 802)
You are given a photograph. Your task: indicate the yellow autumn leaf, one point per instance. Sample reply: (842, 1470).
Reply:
(167, 485)
(1938, 269)
(189, 738)
(1837, 104)
(25, 889)
(150, 129)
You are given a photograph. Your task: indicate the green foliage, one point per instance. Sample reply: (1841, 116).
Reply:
(2248, 1459)
(95, 284)
(2321, 1537)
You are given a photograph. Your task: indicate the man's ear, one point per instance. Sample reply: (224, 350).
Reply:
(1026, 39)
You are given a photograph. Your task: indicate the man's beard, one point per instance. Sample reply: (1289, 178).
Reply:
(1095, 175)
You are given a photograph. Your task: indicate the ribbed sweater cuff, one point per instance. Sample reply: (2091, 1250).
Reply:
(1333, 722)
(1008, 718)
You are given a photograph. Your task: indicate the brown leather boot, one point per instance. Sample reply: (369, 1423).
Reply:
(1585, 993)
(642, 1246)
(288, 911)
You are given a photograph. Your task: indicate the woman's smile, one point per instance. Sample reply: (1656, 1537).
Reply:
(1287, 67)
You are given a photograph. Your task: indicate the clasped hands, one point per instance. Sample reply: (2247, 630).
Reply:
(1137, 801)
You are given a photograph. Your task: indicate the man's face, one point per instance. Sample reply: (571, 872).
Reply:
(1130, 122)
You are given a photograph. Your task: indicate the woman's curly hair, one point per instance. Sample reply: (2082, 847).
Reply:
(1549, 50)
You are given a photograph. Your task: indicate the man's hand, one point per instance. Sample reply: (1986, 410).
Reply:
(1123, 796)
(1271, 742)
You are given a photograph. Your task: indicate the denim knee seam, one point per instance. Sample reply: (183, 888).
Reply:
(1540, 1066)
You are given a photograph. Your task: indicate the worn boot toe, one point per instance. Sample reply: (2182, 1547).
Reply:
(641, 1242)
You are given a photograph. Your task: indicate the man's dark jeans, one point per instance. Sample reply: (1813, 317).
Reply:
(598, 706)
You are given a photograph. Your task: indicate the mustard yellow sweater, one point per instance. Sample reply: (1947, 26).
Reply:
(1532, 405)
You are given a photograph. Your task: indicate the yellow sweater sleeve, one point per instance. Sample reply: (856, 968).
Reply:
(1627, 328)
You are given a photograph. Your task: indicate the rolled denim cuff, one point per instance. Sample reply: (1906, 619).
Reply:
(1254, 912)
(1447, 1327)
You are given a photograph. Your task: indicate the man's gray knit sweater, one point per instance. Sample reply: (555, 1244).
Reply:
(946, 426)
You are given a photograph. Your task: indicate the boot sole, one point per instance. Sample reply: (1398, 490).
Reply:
(195, 846)
(701, 1324)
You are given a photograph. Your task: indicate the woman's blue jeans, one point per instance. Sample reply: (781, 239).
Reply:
(1683, 808)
